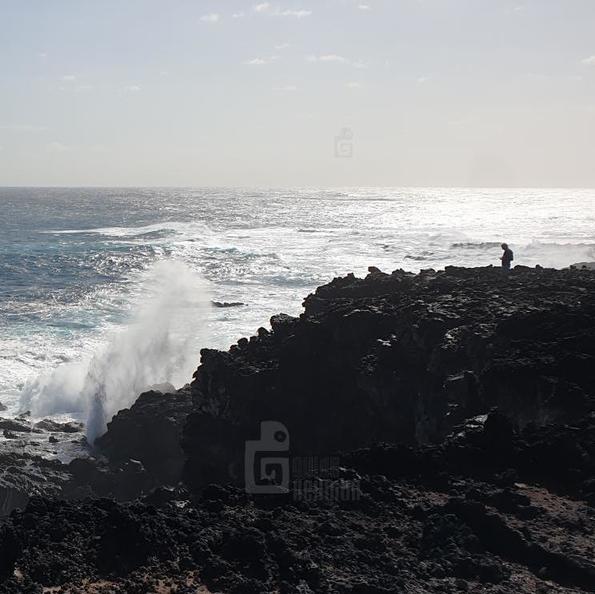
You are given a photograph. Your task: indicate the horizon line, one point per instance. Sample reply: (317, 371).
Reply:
(289, 187)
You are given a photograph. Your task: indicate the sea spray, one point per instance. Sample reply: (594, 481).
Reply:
(160, 344)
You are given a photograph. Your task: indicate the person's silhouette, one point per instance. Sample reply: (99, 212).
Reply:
(507, 257)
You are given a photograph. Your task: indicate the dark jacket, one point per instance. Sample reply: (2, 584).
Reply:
(507, 257)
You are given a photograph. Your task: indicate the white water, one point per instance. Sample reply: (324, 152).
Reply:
(152, 349)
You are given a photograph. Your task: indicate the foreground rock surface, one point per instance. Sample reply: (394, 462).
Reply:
(481, 387)
(459, 517)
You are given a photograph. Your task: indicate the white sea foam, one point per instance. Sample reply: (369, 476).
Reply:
(155, 347)
(183, 229)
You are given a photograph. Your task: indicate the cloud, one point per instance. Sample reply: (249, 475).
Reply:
(262, 7)
(300, 14)
(260, 61)
(286, 89)
(354, 85)
(57, 147)
(328, 58)
(423, 79)
(212, 18)
(133, 89)
(518, 9)
(238, 15)
(364, 7)
(282, 46)
(590, 61)
(268, 9)
(337, 59)
(68, 77)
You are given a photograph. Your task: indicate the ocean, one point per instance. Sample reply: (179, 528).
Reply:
(105, 292)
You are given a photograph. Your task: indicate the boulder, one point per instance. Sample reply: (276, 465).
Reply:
(20, 425)
(56, 427)
(149, 431)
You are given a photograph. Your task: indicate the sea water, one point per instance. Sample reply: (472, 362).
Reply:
(105, 292)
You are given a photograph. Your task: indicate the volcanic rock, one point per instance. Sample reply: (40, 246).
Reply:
(459, 405)
(399, 358)
(150, 432)
(55, 427)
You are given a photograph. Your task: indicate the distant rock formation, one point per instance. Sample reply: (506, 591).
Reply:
(584, 265)
(226, 304)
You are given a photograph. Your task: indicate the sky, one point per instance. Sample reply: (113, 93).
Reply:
(297, 93)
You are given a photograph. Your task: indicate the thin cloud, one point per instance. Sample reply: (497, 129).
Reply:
(282, 46)
(211, 18)
(336, 59)
(133, 89)
(364, 7)
(328, 58)
(238, 15)
(300, 14)
(262, 7)
(286, 89)
(590, 61)
(268, 9)
(260, 61)
(68, 77)
(354, 85)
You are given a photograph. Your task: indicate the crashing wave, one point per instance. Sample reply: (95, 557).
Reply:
(154, 348)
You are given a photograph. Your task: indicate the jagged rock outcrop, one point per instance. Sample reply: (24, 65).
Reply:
(400, 358)
(140, 452)
(56, 427)
(23, 476)
(480, 383)
(149, 432)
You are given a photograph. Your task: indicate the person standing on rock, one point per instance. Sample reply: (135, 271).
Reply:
(507, 257)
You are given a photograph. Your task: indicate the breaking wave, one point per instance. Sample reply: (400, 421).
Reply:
(159, 345)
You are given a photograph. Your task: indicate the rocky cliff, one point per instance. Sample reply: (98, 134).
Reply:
(400, 358)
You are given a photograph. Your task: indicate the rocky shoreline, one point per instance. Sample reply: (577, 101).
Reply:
(457, 407)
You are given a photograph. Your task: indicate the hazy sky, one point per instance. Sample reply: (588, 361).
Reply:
(232, 92)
